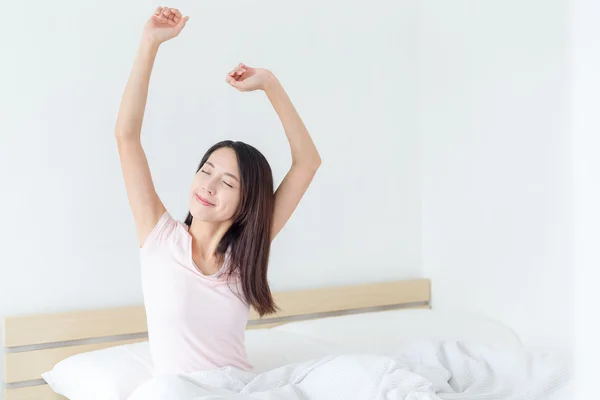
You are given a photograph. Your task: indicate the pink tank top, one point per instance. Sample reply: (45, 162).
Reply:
(195, 321)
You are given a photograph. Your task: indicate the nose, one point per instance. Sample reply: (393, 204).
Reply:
(210, 187)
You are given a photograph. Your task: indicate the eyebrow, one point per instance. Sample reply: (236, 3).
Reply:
(225, 173)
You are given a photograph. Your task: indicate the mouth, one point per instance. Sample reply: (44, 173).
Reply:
(203, 201)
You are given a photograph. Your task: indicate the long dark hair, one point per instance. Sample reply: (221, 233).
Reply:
(250, 234)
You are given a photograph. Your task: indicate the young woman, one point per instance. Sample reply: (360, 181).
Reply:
(200, 276)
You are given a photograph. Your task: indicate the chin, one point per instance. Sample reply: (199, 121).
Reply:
(201, 215)
(206, 215)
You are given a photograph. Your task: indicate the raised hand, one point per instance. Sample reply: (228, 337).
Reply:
(165, 24)
(247, 79)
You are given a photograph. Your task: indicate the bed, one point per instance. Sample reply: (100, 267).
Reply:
(328, 324)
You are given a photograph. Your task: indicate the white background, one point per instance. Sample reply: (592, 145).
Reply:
(586, 179)
(494, 123)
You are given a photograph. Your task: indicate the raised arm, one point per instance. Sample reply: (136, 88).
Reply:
(164, 24)
(305, 157)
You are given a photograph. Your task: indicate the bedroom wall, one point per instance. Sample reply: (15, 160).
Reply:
(585, 126)
(493, 114)
(68, 239)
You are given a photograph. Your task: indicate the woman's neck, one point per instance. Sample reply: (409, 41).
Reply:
(206, 237)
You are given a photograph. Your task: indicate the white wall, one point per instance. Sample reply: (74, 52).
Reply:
(586, 191)
(68, 240)
(494, 115)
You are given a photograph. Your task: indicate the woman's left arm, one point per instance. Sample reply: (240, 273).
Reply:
(305, 157)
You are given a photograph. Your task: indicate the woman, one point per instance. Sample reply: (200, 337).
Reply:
(200, 277)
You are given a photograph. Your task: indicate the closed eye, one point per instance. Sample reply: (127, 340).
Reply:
(205, 172)
(227, 184)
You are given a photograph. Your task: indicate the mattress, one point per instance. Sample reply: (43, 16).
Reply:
(384, 332)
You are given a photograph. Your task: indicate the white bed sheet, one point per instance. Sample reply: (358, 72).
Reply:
(425, 370)
(386, 331)
(382, 333)
(565, 393)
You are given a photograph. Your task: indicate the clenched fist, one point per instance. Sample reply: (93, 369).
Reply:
(166, 23)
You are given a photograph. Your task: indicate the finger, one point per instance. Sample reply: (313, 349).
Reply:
(176, 12)
(172, 15)
(234, 83)
(158, 12)
(159, 18)
(167, 16)
(229, 80)
(237, 75)
(246, 69)
(237, 72)
(182, 22)
(159, 15)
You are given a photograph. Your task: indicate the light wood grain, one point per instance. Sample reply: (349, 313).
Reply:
(29, 365)
(313, 301)
(319, 316)
(48, 328)
(42, 392)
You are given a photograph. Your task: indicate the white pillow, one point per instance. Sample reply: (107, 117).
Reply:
(386, 332)
(107, 374)
(115, 372)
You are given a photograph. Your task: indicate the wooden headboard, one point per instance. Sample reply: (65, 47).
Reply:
(35, 343)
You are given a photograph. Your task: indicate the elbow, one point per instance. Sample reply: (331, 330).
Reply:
(311, 165)
(318, 163)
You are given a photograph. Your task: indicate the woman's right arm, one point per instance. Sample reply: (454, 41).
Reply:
(145, 204)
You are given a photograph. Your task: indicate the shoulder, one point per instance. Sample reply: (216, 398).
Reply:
(166, 230)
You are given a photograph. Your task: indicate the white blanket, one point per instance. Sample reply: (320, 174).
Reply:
(425, 370)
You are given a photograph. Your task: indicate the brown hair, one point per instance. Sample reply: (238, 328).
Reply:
(250, 234)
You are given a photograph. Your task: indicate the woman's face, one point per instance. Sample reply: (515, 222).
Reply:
(216, 193)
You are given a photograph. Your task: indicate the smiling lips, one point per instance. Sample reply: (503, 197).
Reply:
(203, 201)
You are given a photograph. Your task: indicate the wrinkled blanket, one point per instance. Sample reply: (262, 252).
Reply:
(424, 370)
